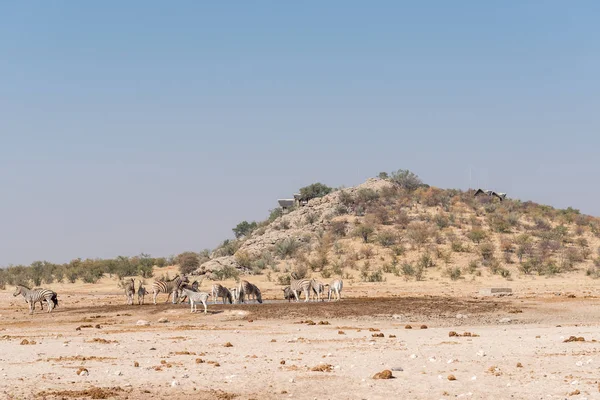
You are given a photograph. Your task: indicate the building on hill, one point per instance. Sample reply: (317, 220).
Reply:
(287, 205)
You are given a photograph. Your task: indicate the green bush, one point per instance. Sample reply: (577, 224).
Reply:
(287, 248)
(387, 238)
(313, 191)
(406, 179)
(364, 231)
(227, 272)
(477, 235)
(244, 228)
(188, 262)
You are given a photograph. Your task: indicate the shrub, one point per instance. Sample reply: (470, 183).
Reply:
(477, 235)
(399, 250)
(311, 218)
(227, 248)
(487, 250)
(284, 280)
(287, 248)
(441, 221)
(419, 233)
(454, 273)
(313, 191)
(243, 259)
(227, 272)
(402, 219)
(383, 175)
(458, 247)
(406, 179)
(188, 262)
(387, 238)
(274, 214)
(300, 272)
(326, 273)
(244, 228)
(336, 268)
(364, 231)
(408, 271)
(339, 227)
(425, 261)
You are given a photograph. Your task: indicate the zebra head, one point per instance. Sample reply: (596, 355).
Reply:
(18, 290)
(258, 295)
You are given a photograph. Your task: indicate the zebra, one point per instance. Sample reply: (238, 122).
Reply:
(41, 300)
(301, 285)
(335, 288)
(318, 289)
(234, 294)
(219, 290)
(170, 287)
(246, 288)
(141, 292)
(194, 287)
(195, 298)
(287, 293)
(37, 295)
(129, 287)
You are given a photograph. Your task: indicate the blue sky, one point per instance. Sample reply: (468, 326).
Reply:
(147, 126)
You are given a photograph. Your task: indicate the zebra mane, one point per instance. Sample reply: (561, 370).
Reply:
(23, 286)
(293, 275)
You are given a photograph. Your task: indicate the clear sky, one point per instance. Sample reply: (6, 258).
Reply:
(156, 126)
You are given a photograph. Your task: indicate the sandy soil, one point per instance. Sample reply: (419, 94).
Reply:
(516, 348)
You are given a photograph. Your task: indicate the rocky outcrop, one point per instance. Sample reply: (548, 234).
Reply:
(301, 224)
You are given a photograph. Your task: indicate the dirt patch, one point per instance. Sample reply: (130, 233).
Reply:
(92, 393)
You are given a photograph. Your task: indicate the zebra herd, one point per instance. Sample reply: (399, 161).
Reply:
(179, 289)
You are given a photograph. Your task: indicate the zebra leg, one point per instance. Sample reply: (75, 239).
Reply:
(191, 306)
(155, 294)
(204, 304)
(31, 307)
(296, 296)
(50, 305)
(306, 295)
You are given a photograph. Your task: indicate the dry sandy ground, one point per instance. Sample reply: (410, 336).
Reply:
(272, 353)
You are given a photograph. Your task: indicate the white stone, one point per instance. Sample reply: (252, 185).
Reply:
(118, 373)
(413, 356)
(142, 322)
(505, 320)
(174, 383)
(481, 353)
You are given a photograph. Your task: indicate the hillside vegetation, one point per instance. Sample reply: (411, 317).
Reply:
(397, 225)
(393, 225)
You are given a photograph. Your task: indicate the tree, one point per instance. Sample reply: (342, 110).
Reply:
(383, 175)
(406, 179)
(244, 228)
(313, 191)
(188, 262)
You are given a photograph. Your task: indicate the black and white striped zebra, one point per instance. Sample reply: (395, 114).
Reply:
(195, 298)
(141, 292)
(129, 288)
(247, 289)
(318, 289)
(335, 288)
(287, 293)
(194, 287)
(302, 286)
(169, 287)
(33, 296)
(219, 290)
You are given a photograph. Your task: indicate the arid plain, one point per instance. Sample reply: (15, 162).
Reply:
(513, 347)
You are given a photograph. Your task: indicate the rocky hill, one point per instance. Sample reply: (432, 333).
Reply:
(381, 227)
